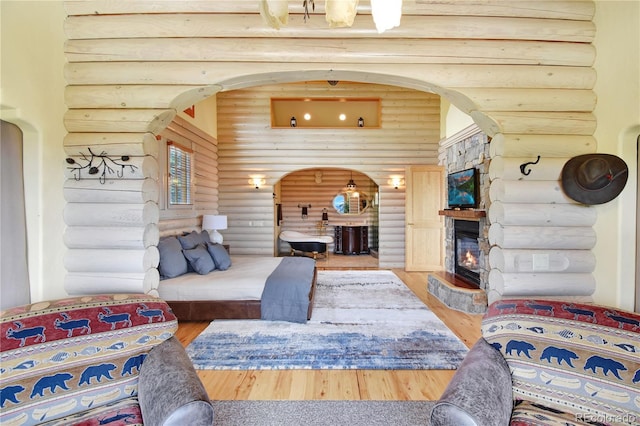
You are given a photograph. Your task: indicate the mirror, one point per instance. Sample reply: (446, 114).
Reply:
(351, 202)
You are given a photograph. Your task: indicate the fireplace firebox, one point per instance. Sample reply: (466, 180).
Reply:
(467, 250)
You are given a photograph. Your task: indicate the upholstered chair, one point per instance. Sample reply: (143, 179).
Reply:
(547, 362)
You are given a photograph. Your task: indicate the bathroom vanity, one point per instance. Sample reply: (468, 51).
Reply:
(351, 239)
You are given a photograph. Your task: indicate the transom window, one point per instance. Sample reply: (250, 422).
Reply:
(179, 168)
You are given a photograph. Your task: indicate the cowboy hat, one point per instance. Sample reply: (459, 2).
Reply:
(594, 178)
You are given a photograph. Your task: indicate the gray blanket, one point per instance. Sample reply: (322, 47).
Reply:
(286, 292)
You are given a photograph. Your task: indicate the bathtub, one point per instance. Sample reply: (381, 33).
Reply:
(306, 243)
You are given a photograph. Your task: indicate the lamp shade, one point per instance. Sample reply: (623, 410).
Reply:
(210, 221)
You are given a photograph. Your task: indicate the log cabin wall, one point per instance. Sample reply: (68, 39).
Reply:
(408, 135)
(204, 182)
(522, 70)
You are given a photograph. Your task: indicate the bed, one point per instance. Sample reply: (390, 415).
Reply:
(234, 293)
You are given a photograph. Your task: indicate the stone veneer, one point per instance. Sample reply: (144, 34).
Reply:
(469, 148)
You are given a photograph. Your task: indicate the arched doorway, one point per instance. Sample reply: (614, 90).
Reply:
(312, 201)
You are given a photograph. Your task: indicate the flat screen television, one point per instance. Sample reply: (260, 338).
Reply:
(462, 189)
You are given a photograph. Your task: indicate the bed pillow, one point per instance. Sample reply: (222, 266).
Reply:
(200, 259)
(193, 238)
(204, 237)
(172, 261)
(220, 256)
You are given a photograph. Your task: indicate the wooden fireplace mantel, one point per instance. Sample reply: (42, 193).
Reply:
(463, 214)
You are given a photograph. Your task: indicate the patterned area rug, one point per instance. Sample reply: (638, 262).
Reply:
(361, 320)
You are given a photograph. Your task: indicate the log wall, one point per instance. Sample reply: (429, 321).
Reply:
(522, 70)
(408, 135)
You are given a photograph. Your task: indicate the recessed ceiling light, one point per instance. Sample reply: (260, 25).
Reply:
(307, 116)
(342, 117)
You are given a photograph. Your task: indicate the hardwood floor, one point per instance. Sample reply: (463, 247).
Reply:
(341, 384)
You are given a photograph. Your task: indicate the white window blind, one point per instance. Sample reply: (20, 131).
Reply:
(180, 160)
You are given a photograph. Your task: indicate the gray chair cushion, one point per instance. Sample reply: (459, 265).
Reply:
(479, 394)
(169, 391)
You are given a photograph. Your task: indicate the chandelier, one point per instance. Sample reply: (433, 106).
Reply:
(339, 13)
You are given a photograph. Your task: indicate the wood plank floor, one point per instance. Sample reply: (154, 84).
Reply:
(341, 384)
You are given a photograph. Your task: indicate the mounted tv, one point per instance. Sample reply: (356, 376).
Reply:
(462, 189)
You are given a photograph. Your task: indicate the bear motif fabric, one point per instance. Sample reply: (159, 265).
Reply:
(70, 355)
(579, 358)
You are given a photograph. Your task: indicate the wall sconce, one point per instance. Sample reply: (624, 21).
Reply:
(293, 122)
(396, 181)
(256, 182)
(305, 209)
(360, 122)
(325, 216)
(212, 223)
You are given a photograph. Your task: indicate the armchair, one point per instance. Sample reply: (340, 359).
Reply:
(100, 359)
(543, 362)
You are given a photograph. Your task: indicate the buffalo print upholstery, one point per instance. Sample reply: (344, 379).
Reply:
(64, 357)
(564, 358)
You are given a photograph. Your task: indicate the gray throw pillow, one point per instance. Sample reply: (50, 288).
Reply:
(220, 256)
(191, 240)
(204, 237)
(172, 261)
(200, 259)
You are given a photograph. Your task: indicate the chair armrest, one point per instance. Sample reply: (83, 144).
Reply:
(479, 393)
(169, 390)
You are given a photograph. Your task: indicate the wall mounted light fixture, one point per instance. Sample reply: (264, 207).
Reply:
(395, 181)
(360, 122)
(256, 182)
(305, 209)
(293, 122)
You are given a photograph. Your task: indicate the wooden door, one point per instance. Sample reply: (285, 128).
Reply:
(424, 227)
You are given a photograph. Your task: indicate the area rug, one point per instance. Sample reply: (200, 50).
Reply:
(322, 413)
(361, 320)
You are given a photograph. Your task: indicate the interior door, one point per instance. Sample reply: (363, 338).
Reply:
(424, 226)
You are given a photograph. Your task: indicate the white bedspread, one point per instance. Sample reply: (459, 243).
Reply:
(244, 280)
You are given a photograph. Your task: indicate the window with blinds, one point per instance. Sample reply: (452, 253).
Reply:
(179, 162)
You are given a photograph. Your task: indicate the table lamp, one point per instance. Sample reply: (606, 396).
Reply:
(212, 223)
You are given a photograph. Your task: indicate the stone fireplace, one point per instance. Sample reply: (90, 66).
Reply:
(465, 282)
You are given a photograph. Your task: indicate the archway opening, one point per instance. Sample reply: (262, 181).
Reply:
(320, 201)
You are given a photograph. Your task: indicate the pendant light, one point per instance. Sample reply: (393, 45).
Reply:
(351, 185)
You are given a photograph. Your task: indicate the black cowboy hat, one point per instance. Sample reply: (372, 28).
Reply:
(594, 178)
